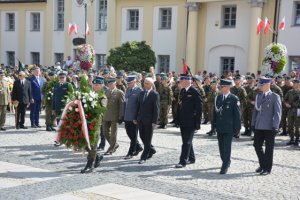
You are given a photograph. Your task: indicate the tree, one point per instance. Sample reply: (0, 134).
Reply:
(132, 56)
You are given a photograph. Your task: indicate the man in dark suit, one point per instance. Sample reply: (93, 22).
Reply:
(266, 118)
(21, 93)
(37, 84)
(188, 118)
(227, 121)
(147, 117)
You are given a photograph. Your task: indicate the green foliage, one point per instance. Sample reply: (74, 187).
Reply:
(132, 56)
(276, 49)
(281, 64)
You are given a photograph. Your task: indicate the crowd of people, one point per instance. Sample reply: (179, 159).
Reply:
(143, 100)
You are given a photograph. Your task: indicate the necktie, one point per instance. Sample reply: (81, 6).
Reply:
(145, 96)
(38, 80)
(223, 98)
(264, 96)
(22, 83)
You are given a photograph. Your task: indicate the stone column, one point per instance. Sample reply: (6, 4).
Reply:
(191, 43)
(253, 55)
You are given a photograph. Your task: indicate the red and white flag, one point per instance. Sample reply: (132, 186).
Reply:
(267, 25)
(282, 24)
(71, 28)
(87, 31)
(260, 26)
(75, 28)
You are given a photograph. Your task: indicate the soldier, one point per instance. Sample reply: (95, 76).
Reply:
(275, 88)
(206, 88)
(279, 81)
(92, 156)
(227, 121)
(291, 102)
(241, 93)
(113, 115)
(4, 94)
(248, 108)
(48, 98)
(120, 80)
(176, 91)
(288, 85)
(197, 85)
(265, 123)
(157, 83)
(165, 96)
(210, 100)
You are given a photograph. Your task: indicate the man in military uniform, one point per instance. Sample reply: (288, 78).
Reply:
(227, 121)
(210, 100)
(92, 153)
(248, 108)
(265, 123)
(198, 86)
(241, 93)
(279, 81)
(120, 80)
(157, 82)
(288, 85)
(206, 88)
(291, 103)
(113, 115)
(176, 91)
(165, 94)
(275, 88)
(4, 95)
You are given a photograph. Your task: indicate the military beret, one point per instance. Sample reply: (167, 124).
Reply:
(98, 80)
(249, 78)
(264, 81)
(62, 74)
(296, 81)
(130, 78)
(222, 77)
(105, 71)
(157, 74)
(164, 78)
(111, 80)
(225, 82)
(288, 77)
(279, 76)
(51, 73)
(120, 74)
(237, 78)
(213, 82)
(144, 73)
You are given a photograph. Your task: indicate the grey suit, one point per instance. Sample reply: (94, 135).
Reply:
(265, 121)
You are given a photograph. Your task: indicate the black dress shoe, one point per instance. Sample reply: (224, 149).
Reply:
(38, 126)
(137, 152)
(151, 154)
(127, 157)
(259, 170)
(88, 168)
(98, 160)
(142, 161)
(264, 173)
(296, 143)
(57, 144)
(224, 171)
(17, 127)
(23, 127)
(33, 126)
(189, 162)
(180, 165)
(236, 136)
(3, 129)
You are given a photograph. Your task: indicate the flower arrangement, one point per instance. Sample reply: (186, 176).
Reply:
(80, 122)
(275, 59)
(86, 56)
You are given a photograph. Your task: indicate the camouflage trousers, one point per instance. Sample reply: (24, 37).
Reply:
(247, 116)
(49, 118)
(293, 124)
(163, 113)
(206, 109)
(284, 116)
(210, 112)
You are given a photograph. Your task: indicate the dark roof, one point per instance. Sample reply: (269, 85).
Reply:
(23, 1)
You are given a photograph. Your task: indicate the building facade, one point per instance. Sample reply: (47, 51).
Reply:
(212, 35)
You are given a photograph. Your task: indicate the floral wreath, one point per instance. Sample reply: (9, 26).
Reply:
(86, 56)
(275, 59)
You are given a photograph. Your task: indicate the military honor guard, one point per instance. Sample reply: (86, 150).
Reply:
(226, 121)
(188, 118)
(265, 123)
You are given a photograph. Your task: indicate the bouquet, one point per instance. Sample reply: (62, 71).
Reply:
(86, 56)
(275, 59)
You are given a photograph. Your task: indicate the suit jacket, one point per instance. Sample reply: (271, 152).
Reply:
(21, 94)
(4, 93)
(131, 103)
(189, 111)
(269, 116)
(228, 118)
(36, 87)
(115, 101)
(148, 110)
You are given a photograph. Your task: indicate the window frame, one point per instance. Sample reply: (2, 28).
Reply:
(165, 59)
(10, 56)
(100, 61)
(230, 19)
(133, 25)
(296, 15)
(33, 20)
(10, 27)
(33, 59)
(102, 15)
(168, 21)
(56, 55)
(60, 15)
(229, 58)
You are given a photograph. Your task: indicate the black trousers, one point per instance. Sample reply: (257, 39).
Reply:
(225, 141)
(146, 133)
(265, 158)
(187, 151)
(132, 131)
(21, 114)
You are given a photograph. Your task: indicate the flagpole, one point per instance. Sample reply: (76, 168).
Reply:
(85, 19)
(276, 20)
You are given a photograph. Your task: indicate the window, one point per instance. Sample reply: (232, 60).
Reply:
(59, 57)
(35, 21)
(294, 63)
(133, 19)
(100, 60)
(60, 10)
(227, 64)
(297, 13)
(10, 21)
(229, 16)
(10, 58)
(164, 63)
(165, 18)
(102, 15)
(35, 58)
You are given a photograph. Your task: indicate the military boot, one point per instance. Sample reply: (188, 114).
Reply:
(98, 160)
(292, 141)
(52, 129)
(48, 128)
(88, 168)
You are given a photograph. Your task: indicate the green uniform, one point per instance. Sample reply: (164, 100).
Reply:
(210, 101)
(48, 95)
(175, 99)
(292, 98)
(276, 89)
(158, 86)
(248, 108)
(121, 87)
(241, 94)
(165, 103)
(206, 108)
(283, 122)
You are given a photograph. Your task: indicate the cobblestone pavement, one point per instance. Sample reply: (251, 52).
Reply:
(32, 168)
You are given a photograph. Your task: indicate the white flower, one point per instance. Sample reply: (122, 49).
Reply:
(70, 108)
(85, 106)
(83, 100)
(76, 109)
(91, 99)
(49, 98)
(93, 104)
(76, 102)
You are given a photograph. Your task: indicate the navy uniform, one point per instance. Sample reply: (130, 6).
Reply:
(265, 123)
(188, 118)
(227, 122)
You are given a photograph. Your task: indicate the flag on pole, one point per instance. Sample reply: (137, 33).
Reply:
(87, 31)
(282, 24)
(75, 28)
(71, 28)
(185, 68)
(267, 25)
(260, 26)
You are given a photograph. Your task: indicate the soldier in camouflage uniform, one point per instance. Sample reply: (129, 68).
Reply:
(120, 81)
(288, 85)
(92, 156)
(210, 100)
(241, 93)
(165, 94)
(275, 88)
(157, 83)
(247, 114)
(206, 88)
(279, 81)
(198, 86)
(291, 101)
(176, 91)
